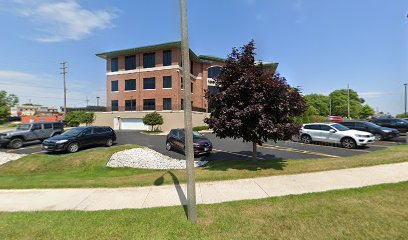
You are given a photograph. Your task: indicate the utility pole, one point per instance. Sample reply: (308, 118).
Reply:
(87, 101)
(64, 73)
(348, 101)
(188, 128)
(405, 98)
(97, 101)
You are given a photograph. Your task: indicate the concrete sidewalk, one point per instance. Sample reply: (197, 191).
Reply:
(207, 192)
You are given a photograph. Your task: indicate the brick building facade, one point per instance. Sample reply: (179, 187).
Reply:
(150, 78)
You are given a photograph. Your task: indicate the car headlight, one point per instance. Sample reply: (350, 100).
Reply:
(387, 131)
(61, 141)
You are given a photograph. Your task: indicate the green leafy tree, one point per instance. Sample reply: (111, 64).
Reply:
(319, 102)
(4, 114)
(153, 119)
(6, 101)
(252, 103)
(366, 111)
(402, 115)
(339, 103)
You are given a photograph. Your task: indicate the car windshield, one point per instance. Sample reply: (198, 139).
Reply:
(340, 127)
(72, 132)
(23, 127)
(372, 125)
(197, 135)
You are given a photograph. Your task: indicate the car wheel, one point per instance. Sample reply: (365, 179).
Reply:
(306, 139)
(109, 142)
(16, 143)
(168, 146)
(348, 143)
(73, 147)
(378, 137)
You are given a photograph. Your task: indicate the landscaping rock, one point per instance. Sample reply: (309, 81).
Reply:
(8, 157)
(148, 159)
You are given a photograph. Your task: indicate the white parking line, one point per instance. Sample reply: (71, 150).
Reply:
(339, 148)
(239, 154)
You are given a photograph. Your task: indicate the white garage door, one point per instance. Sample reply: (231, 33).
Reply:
(133, 124)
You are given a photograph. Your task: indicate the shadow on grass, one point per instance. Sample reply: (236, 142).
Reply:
(183, 199)
(242, 161)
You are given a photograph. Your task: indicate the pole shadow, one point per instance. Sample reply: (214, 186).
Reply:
(183, 199)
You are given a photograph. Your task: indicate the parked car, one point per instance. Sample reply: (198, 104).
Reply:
(380, 133)
(335, 119)
(175, 140)
(30, 132)
(76, 138)
(335, 133)
(399, 124)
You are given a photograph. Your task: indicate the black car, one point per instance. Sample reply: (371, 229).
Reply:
(399, 124)
(175, 140)
(380, 133)
(76, 138)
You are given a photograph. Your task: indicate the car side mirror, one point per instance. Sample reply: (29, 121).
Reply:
(332, 131)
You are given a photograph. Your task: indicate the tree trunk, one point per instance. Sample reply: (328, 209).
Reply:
(254, 152)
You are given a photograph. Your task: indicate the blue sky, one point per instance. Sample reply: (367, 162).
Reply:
(320, 45)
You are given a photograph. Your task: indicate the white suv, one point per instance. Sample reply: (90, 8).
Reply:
(335, 133)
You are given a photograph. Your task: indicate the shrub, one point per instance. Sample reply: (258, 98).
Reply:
(76, 117)
(153, 119)
(200, 128)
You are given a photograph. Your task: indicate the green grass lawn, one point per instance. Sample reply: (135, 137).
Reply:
(378, 212)
(87, 169)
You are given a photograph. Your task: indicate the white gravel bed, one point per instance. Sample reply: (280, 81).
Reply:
(147, 158)
(8, 157)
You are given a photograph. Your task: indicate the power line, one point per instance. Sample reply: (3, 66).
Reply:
(24, 85)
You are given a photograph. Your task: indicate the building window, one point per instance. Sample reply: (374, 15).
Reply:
(130, 62)
(191, 67)
(192, 87)
(167, 82)
(149, 60)
(130, 105)
(114, 86)
(167, 58)
(181, 83)
(114, 64)
(213, 72)
(130, 84)
(149, 83)
(166, 103)
(115, 105)
(149, 104)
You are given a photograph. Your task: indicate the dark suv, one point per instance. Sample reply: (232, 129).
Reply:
(30, 132)
(380, 133)
(175, 140)
(399, 124)
(76, 138)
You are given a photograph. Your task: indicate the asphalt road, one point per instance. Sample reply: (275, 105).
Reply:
(235, 149)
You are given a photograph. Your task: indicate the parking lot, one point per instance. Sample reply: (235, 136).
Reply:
(236, 149)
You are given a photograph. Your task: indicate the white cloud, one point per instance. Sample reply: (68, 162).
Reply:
(63, 20)
(48, 89)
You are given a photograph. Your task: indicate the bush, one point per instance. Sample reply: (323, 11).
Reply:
(201, 128)
(402, 115)
(153, 119)
(77, 117)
